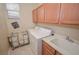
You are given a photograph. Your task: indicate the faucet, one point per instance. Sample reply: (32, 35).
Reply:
(68, 38)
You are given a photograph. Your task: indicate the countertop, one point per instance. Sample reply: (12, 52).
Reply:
(71, 49)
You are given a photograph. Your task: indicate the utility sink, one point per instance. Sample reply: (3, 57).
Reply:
(65, 44)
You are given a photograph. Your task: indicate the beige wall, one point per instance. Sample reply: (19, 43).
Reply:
(3, 31)
(72, 32)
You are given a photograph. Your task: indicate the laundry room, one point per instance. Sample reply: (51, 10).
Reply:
(39, 28)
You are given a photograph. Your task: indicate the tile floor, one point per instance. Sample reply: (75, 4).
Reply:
(24, 50)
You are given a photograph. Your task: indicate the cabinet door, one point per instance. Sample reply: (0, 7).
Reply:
(69, 13)
(52, 12)
(47, 50)
(34, 14)
(40, 14)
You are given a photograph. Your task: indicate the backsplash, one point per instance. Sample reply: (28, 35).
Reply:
(73, 33)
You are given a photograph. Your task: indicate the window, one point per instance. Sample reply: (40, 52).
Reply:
(13, 10)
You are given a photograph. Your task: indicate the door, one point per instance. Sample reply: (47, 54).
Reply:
(40, 14)
(69, 13)
(52, 11)
(34, 14)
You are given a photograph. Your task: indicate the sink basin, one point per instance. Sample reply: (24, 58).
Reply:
(66, 45)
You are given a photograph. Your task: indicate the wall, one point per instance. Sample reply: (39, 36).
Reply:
(25, 17)
(72, 32)
(3, 31)
(26, 14)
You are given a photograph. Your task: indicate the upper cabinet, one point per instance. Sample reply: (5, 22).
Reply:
(34, 14)
(40, 14)
(69, 14)
(63, 13)
(52, 12)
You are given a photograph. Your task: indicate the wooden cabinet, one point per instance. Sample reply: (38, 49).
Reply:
(69, 13)
(64, 13)
(52, 12)
(48, 50)
(40, 14)
(48, 13)
(34, 14)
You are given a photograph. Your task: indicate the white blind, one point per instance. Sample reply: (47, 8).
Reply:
(13, 14)
(13, 10)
